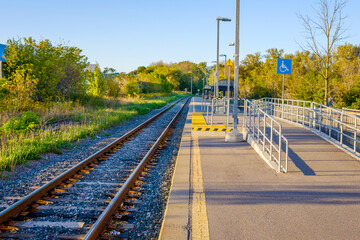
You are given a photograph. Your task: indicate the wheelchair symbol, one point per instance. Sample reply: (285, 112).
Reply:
(283, 68)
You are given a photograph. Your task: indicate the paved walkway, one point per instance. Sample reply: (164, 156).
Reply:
(226, 191)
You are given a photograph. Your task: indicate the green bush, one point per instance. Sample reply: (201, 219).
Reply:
(27, 121)
(3, 90)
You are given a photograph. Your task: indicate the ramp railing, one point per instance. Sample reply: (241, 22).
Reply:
(217, 106)
(333, 124)
(266, 133)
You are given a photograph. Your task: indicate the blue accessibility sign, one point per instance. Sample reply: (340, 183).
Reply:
(284, 66)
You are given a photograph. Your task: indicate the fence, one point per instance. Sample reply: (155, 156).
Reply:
(335, 124)
(267, 133)
(220, 107)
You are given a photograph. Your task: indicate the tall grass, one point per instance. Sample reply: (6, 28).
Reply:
(88, 119)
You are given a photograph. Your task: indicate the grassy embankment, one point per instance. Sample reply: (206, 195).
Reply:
(19, 144)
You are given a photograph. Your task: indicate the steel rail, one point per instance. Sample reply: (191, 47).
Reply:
(105, 217)
(22, 204)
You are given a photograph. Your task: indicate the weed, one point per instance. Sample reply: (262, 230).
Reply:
(27, 121)
(16, 147)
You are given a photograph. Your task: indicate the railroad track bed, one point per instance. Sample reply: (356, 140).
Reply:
(143, 218)
(70, 210)
(38, 172)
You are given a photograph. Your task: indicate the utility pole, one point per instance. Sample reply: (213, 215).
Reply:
(191, 84)
(203, 85)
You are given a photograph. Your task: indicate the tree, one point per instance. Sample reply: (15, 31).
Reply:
(272, 80)
(71, 65)
(347, 75)
(56, 71)
(131, 86)
(330, 22)
(97, 86)
(305, 82)
(249, 76)
(113, 89)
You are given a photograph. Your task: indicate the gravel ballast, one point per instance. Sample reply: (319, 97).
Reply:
(155, 190)
(148, 216)
(35, 173)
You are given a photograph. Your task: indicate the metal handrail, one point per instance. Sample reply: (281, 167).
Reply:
(267, 132)
(335, 124)
(215, 103)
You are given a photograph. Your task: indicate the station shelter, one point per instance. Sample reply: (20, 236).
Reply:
(223, 88)
(207, 92)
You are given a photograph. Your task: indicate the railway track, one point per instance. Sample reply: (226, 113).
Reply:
(88, 200)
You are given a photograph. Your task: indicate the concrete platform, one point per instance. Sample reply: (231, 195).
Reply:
(201, 119)
(226, 191)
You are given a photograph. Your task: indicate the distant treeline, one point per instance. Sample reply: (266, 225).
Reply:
(38, 71)
(258, 78)
(159, 77)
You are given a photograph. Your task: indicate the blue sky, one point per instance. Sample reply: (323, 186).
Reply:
(125, 34)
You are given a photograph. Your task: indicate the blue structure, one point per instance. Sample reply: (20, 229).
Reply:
(2, 59)
(2, 50)
(284, 66)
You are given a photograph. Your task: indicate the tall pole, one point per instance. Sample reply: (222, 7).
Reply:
(217, 62)
(214, 73)
(282, 95)
(214, 81)
(228, 98)
(203, 85)
(225, 68)
(191, 84)
(236, 74)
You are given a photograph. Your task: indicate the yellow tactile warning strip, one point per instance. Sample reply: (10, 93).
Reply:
(212, 129)
(199, 219)
(199, 124)
(198, 119)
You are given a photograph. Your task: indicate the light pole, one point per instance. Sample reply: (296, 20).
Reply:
(214, 73)
(236, 73)
(218, 19)
(228, 110)
(191, 84)
(224, 55)
(234, 135)
(203, 85)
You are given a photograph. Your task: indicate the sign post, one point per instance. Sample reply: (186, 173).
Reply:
(284, 66)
